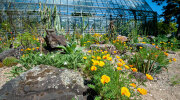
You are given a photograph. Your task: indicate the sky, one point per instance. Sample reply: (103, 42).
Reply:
(156, 7)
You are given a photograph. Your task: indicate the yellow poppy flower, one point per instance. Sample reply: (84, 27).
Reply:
(84, 57)
(125, 91)
(142, 91)
(109, 58)
(119, 64)
(117, 57)
(104, 57)
(101, 63)
(174, 59)
(126, 66)
(149, 77)
(98, 58)
(133, 85)
(134, 69)
(119, 68)
(105, 79)
(93, 68)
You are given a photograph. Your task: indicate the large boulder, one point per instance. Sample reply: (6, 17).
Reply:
(53, 40)
(45, 83)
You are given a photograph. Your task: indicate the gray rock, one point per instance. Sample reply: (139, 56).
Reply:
(45, 83)
(150, 46)
(15, 52)
(109, 47)
(140, 76)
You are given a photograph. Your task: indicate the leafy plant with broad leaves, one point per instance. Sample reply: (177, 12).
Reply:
(71, 48)
(71, 61)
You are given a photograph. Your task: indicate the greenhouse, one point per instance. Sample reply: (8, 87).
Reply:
(85, 16)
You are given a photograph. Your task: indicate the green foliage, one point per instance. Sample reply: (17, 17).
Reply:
(165, 29)
(149, 60)
(72, 61)
(175, 80)
(118, 79)
(120, 46)
(10, 61)
(15, 71)
(26, 40)
(71, 48)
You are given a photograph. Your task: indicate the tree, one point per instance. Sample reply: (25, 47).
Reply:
(171, 12)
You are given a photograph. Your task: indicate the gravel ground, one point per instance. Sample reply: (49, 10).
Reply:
(161, 88)
(4, 77)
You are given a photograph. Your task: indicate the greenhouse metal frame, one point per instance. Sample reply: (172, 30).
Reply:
(97, 15)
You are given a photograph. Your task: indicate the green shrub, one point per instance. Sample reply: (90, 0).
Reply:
(10, 61)
(149, 60)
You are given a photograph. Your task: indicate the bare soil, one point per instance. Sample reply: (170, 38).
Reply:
(162, 87)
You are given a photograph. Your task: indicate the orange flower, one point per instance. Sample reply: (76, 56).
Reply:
(105, 79)
(93, 68)
(89, 51)
(125, 91)
(174, 59)
(120, 60)
(166, 53)
(104, 57)
(133, 85)
(109, 58)
(105, 51)
(126, 66)
(134, 69)
(153, 44)
(119, 64)
(98, 58)
(117, 57)
(22, 49)
(93, 57)
(157, 47)
(95, 62)
(156, 56)
(119, 68)
(149, 77)
(28, 49)
(170, 61)
(37, 47)
(131, 66)
(142, 91)
(115, 51)
(108, 55)
(101, 63)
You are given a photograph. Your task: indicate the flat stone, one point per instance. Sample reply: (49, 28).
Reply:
(45, 83)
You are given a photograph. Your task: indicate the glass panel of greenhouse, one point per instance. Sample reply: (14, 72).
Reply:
(87, 16)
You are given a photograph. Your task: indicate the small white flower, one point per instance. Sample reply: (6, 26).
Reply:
(65, 63)
(40, 54)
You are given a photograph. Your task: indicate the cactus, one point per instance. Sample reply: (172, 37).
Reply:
(50, 18)
(10, 61)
